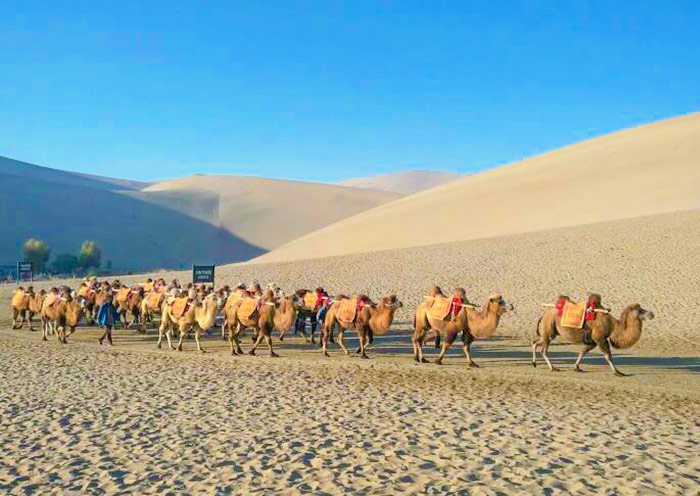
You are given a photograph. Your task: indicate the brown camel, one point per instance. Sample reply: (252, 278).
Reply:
(25, 305)
(130, 305)
(286, 314)
(261, 320)
(63, 312)
(360, 322)
(198, 317)
(238, 293)
(151, 305)
(604, 331)
(469, 321)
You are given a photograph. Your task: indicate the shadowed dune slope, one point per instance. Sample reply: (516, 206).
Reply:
(640, 171)
(264, 212)
(16, 168)
(406, 182)
(132, 234)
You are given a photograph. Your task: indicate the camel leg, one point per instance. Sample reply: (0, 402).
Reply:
(239, 330)
(196, 338)
(257, 342)
(543, 352)
(581, 354)
(44, 330)
(161, 331)
(605, 348)
(29, 320)
(535, 344)
(323, 338)
(231, 341)
(362, 333)
(449, 339)
(268, 339)
(183, 331)
(341, 342)
(467, 340)
(15, 313)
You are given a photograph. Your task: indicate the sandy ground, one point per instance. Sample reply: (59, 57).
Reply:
(134, 419)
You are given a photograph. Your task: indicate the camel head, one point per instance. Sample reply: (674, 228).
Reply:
(391, 302)
(497, 299)
(636, 312)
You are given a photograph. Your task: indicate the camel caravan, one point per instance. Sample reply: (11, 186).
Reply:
(194, 310)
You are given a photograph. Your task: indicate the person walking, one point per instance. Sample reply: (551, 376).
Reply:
(107, 317)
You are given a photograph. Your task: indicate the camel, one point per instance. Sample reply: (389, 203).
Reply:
(602, 332)
(58, 314)
(238, 293)
(361, 324)
(26, 304)
(131, 304)
(150, 306)
(469, 321)
(199, 317)
(261, 320)
(286, 314)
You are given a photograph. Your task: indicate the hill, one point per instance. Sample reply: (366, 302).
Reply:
(640, 171)
(264, 212)
(405, 182)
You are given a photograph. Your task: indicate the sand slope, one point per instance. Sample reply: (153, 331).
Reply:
(406, 182)
(641, 171)
(264, 212)
(133, 234)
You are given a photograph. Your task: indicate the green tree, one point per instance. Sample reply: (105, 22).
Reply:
(37, 252)
(64, 264)
(90, 255)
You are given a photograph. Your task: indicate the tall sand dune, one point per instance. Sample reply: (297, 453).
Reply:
(640, 171)
(264, 212)
(405, 182)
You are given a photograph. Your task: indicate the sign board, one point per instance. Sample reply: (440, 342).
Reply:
(203, 274)
(25, 271)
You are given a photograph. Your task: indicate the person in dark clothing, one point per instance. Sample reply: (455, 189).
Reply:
(107, 317)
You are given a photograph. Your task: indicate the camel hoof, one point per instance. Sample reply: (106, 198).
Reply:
(620, 374)
(251, 353)
(534, 365)
(202, 351)
(281, 338)
(423, 360)
(364, 357)
(274, 355)
(438, 362)
(554, 369)
(473, 366)
(326, 354)
(578, 370)
(347, 353)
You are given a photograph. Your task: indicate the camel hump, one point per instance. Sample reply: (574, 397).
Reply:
(18, 298)
(573, 314)
(440, 308)
(123, 294)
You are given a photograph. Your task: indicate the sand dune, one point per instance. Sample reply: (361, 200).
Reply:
(264, 212)
(405, 182)
(641, 171)
(133, 234)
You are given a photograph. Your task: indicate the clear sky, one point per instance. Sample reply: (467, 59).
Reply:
(330, 90)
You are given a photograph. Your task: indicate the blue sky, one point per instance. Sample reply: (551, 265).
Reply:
(329, 90)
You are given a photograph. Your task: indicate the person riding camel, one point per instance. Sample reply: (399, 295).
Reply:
(159, 286)
(459, 299)
(593, 303)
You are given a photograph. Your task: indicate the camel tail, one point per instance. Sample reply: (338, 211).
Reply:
(537, 329)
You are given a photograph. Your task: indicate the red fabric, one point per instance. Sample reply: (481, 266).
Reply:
(560, 307)
(590, 310)
(456, 305)
(319, 299)
(361, 303)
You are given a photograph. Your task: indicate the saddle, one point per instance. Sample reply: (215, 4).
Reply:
(347, 311)
(148, 286)
(247, 308)
(179, 307)
(153, 299)
(18, 297)
(50, 300)
(123, 295)
(310, 300)
(440, 308)
(573, 314)
(234, 298)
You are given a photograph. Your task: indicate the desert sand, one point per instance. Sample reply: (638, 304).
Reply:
(404, 182)
(641, 171)
(135, 419)
(264, 212)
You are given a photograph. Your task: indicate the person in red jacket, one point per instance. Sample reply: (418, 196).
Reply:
(459, 298)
